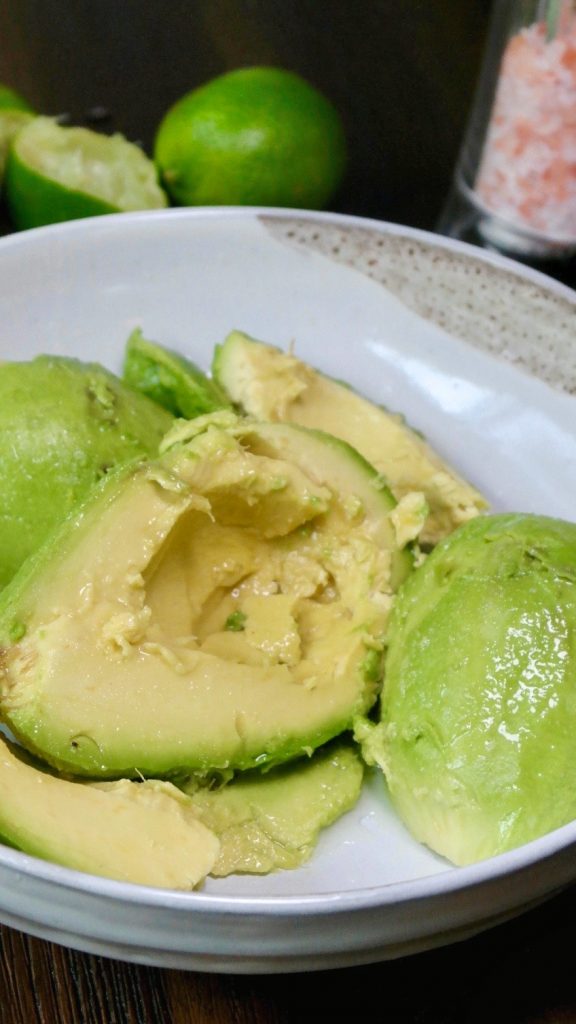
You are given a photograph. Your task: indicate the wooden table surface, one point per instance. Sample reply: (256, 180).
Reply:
(402, 75)
(518, 973)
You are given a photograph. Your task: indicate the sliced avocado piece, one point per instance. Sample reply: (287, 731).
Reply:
(479, 709)
(269, 384)
(115, 656)
(144, 832)
(170, 379)
(63, 425)
(267, 821)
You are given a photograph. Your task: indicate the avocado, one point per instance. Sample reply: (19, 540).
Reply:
(144, 832)
(267, 821)
(478, 713)
(63, 425)
(115, 656)
(170, 379)
(269, 384)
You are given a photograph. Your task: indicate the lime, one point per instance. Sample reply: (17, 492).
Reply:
(256, 136)
(12, 100)
(11, 121)
(55, 173)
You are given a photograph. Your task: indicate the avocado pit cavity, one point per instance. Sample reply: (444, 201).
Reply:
(272, 527)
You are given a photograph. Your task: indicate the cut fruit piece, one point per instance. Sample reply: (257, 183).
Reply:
(116, 658)
(63, 426)
(169, 379)
(55, 173)
(143, 832)
(267, 821)
(269, 384)
(11, 122)
(479, 708)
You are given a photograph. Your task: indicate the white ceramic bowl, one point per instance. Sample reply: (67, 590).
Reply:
(480, 354)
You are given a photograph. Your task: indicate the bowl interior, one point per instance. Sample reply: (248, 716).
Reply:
(475, 352)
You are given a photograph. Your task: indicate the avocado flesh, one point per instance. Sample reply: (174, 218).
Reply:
(273, 385)
(268, 821)
(169, 379)
(63, 425)
(146, 833)
(116, 659)
(479, 706)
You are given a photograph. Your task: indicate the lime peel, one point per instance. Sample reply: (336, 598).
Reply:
(55, 173)
(254, 136)
(11, 122)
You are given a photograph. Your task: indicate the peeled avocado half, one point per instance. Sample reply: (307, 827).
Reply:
(477, 737)
(64, 425)
(273, 385)
(220, 607)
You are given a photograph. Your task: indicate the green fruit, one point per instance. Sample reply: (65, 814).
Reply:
(267, 821)
(11, 122)
(273, 385)
(169, 379)
(55, 174)
(288, 526)
(12, 100)
(256, 136)
(479, 706)
(63, 426)
(145, 832)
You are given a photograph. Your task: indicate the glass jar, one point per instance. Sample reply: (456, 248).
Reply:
(515, 183)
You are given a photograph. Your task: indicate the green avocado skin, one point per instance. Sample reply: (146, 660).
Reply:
(63, 425)
(478, 733)
(170, 379)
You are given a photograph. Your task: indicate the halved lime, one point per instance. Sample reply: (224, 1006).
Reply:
(11, 121)
(55, 173)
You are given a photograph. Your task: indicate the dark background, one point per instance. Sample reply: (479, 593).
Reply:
(401, 73)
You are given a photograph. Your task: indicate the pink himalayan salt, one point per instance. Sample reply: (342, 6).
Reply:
(528, 171)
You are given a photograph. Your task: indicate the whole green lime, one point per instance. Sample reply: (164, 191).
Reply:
(256, 136)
